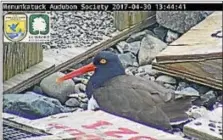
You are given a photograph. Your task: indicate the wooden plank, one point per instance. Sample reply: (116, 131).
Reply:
(208, 72)
(126, 19)
(197, 43)
(98, 124)
(28, 78)
(201, 128)
(196, 55)
(15, 57)
(57, 60)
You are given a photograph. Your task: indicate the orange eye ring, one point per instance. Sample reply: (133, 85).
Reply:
(103, 61)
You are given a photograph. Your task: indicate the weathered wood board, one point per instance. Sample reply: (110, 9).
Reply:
(199, 42)
(27, 78)
(89, 124)
(197, 55)
(65, 58)
(126, 19)
(17, 57)
(208, 127)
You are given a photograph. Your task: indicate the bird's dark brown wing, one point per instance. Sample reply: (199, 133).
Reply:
(159, 93)
(122, 97)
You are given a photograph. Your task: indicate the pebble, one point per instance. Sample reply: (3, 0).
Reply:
(80, 80)
(73, 95)
(171, 36)
(166, 79)
(169, 86)
(182, 85)
(72, 102)
(160, 32)
(38, 90)
(148, 70)
(189, 91)
(83, 106)
(136, 37)
(197, 112)
(80, 88)
(82, 95)
(200, 88)
(208, 100)
(127, 59)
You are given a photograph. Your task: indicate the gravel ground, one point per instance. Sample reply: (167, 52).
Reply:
(79, 28)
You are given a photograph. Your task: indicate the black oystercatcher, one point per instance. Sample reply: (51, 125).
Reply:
(131, 97)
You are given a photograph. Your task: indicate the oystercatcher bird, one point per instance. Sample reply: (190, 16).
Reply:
(130, 97)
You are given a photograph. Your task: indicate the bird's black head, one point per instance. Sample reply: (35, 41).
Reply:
(106, 65)
(108, 61)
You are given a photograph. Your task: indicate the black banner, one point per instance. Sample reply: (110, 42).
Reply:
(112, 7)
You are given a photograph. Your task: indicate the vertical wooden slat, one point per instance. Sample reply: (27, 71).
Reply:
(125, 19)
(17, 57)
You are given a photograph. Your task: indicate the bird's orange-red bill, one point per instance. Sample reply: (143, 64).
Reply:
(87, 68)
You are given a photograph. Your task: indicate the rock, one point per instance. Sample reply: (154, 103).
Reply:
(83, 106)
(127, 59)
(84, 100)
(169, 86)
(200, 88)
(59, 91)
(32, 106)
(188, 91)
(150, 47)
(82, 95)
(180, 21)
(72, 102)
(73, 96)
(80, 88)
(121, 45)
(171, 36)
(166, 79)
(128, 72)
(220, 99)
(80, 80)
(182, 85)
(136, 37)
(148, 69)
(207, 100)
(38, 90)
(160, 32)
(134, 47)
(197, 112)
(124, 47)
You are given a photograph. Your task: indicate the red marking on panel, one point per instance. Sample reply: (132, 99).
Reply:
(141, 137)
(58, 126)
(74, 132)
(120, 131)
(97, 124)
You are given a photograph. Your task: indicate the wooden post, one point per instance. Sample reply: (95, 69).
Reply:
(126, 19)
(17, 57)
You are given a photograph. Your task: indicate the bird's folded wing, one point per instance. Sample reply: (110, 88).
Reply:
(157, 91)
(134, 104)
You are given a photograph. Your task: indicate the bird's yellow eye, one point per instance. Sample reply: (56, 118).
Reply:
(103, 61)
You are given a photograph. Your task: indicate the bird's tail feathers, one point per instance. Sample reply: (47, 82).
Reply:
(176, 110)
